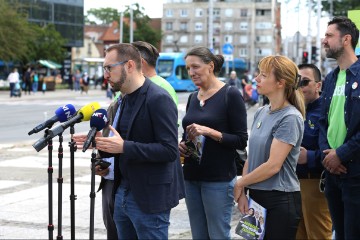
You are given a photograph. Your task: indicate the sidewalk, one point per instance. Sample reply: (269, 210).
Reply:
(24, 189)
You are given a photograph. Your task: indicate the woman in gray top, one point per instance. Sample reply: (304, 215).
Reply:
(274, 147)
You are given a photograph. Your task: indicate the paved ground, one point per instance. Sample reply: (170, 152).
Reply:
(24, 184)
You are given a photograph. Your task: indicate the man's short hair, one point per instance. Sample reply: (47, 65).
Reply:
(315, 69)
(148, 52)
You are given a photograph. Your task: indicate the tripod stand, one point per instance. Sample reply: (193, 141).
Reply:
(72, 182)
(92, 193)
(60, 181)
(50, 190)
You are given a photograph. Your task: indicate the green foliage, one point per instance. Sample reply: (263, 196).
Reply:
(142, 32)
(26, 42)
(102, 16)
(14, 34)
(340, 7)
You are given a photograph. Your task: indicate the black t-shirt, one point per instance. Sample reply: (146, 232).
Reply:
(217, 163)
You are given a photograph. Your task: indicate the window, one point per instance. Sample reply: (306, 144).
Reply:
(228, 12)
(198, 12)
(181, 72)
(243, 52)
(169, 39)
(183, 39)
(228, 26)
(243, 26)
(169, 26)
(183, 26)
(169, 12)
(198, 26)
(263, 25)
(198, 39)
(263, 51)
(216, 12)
(264, 39)
(183, 13)
(228, 38)
(243, 12)
(263, 12)
(243, 40)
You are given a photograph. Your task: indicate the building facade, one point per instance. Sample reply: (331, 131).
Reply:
(252, 27)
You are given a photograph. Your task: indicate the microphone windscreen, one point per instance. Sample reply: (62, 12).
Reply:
(99, 119)
(64, 113)
(88, 110)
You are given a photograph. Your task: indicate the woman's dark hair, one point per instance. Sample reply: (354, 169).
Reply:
(207, 56)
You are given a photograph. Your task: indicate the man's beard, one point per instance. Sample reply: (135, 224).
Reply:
(117, 85)
(334, 53)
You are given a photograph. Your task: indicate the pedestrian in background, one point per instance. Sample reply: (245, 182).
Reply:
(316, 221)
(235, 81)
(77, 79)
(35, 81)
(149, 55)
(212, 133)
(340, 128)
(14, 79)
(274, 148)
(27, 81)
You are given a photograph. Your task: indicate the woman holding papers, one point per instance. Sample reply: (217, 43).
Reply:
(274, 147)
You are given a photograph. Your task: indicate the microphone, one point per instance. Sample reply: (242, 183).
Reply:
(97, 122)
(62, 114)
(84, 114)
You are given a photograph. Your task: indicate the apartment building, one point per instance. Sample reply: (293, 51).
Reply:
(252, 27)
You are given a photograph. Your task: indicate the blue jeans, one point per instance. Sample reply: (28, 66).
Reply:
(209, 207)
(343, 196)
(132, 223)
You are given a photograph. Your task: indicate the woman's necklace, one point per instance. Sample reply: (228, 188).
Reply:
(203, 96)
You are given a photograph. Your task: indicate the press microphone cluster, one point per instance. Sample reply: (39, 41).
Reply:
(62, 114)
(97, 122)
(83, 114)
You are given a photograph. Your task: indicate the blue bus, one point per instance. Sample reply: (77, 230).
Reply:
(172, 67)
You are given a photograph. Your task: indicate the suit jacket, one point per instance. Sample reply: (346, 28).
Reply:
(151, 153)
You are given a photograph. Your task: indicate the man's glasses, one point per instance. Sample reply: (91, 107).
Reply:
(304, 83)
(107, 68)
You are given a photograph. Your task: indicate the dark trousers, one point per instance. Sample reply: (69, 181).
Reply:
(108, 209)
(283, 212)
(343, 196)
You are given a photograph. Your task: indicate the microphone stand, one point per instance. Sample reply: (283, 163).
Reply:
(60, 181)
(72, 185)
(50, 190)
(92, 193)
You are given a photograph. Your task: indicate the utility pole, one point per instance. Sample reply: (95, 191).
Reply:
(318, 40)
(121, 27)
(131, 25)
(308, 39)
(211, 25)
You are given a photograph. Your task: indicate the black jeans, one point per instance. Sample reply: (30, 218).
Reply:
(343, 196)
(283, 212)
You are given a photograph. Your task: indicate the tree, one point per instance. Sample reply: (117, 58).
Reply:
(142, 32)
(48, 44)
(101, 16)
(15, 32)
(340, 7)
(26, 42)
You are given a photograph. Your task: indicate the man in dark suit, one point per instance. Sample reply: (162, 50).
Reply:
(148, 175)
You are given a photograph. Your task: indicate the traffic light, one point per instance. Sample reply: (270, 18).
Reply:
(305, 57)
(314, 54)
